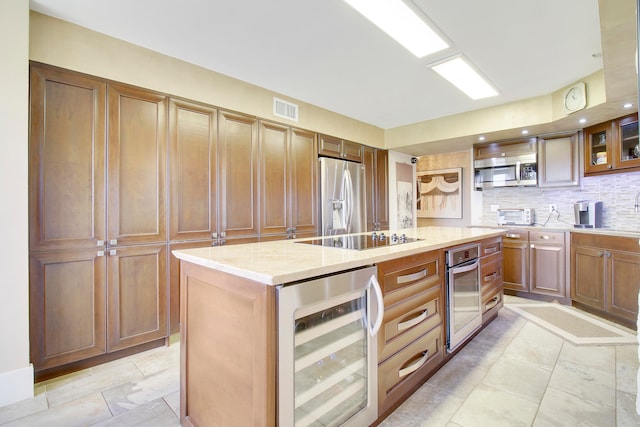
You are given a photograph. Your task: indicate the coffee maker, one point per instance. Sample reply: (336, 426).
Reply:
(588, 214)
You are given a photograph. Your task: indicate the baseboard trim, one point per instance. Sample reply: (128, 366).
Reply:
(16, 385)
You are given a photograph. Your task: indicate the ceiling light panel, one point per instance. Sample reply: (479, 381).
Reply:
(461, 74)
(396, 19)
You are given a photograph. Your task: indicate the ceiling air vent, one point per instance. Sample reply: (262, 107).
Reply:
(285, 109)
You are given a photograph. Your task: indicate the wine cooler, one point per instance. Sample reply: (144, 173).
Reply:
(327, 361)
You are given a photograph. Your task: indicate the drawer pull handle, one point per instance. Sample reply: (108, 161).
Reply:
(545, 237)
(492, 302)
(491, 250)
(412, 322)
(412, 277)
(512, 236)
(414, 367)
(491, 276)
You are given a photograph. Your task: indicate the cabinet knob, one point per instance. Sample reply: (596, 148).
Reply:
(113, 242)
(214, 235)
(113, 252)
(100, 242)
(100, 253)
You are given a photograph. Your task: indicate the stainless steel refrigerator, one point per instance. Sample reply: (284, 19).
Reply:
(342, 190)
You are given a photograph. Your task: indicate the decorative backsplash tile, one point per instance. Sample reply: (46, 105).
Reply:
(616, 191)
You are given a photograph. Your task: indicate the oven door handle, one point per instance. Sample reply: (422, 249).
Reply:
(373, 329)
(466, 266)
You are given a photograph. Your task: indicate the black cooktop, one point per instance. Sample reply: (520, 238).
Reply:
(361, 242)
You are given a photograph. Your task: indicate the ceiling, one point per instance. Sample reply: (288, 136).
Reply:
(324, 53)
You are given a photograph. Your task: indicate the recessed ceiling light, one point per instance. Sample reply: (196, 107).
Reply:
(481, 138)
(400, 22)
(524, 132)
(583, 120)
(461, 74)
(628, 105)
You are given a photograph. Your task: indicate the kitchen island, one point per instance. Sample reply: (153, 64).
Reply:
(229, 339)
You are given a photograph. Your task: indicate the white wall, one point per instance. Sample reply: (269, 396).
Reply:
(16, 374)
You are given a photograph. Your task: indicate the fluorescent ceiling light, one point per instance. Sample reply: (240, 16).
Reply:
(464, 77)
(400, 22)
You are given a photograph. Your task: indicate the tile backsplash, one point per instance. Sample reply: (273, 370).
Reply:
(616, 191)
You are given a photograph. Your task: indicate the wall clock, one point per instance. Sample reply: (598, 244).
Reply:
(574, 98)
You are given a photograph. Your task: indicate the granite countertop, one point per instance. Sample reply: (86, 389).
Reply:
(285, 261)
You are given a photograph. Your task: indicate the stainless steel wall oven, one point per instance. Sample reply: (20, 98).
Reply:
(464, 309)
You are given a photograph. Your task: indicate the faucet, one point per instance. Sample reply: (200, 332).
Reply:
(636, 208)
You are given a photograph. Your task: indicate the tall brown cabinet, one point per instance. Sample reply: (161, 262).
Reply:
(98, 237)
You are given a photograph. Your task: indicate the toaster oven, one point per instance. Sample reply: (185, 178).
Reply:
(516, 216)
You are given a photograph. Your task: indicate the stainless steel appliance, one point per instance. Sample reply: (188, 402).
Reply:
(588, 214)
(508, 171)
(464, 309)
(343, 197)
(327, 350)
(516, 216)
(361, 241)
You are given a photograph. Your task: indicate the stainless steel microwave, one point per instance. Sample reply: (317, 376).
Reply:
(516, 216)
(506, 171)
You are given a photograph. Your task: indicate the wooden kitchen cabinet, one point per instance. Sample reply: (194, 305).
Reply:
(515, 254)
(288, 181)
(137, 166)
(376, 168)
(331, 146)
(605, 275)
(84, 217)
(491, 277)
(193, 202)
(559, 160)
(67, 307)
(411, 339)
(612, 146)
(238, 174)
(66, 160)
(136, 295)
(547, 263)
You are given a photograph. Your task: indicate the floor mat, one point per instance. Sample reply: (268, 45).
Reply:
(574, 325)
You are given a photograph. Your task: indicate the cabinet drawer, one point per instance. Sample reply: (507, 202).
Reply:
(492, 303)
(546, 237)
(402, 278)
(405, 322)
(491, 246)
(409, 367)
(491, 271)
(516, 235)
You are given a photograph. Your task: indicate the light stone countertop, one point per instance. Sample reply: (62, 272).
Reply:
(605, 231)
(285, 261)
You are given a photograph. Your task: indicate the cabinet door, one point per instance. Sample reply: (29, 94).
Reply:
(558, 161)
(382, 189)
(548, 269)
(627, 147)
(274, 195)
(330, 146)
(137, 295)
(67, 307)
(137, 166)
(588, 276)
(598, 148)
(515, 258)
(238, 174)
(352, 151)
(304, 183)
(66, 161)
(623, 285)
(192, 159)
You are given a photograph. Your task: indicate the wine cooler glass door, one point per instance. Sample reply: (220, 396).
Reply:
(327, 355)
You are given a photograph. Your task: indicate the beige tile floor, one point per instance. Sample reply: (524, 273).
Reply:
(514, 373)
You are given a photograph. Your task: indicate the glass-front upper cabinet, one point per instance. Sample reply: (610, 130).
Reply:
(629, 153)
(611, 146)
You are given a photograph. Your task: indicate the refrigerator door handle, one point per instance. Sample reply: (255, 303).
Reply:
(347, 185)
